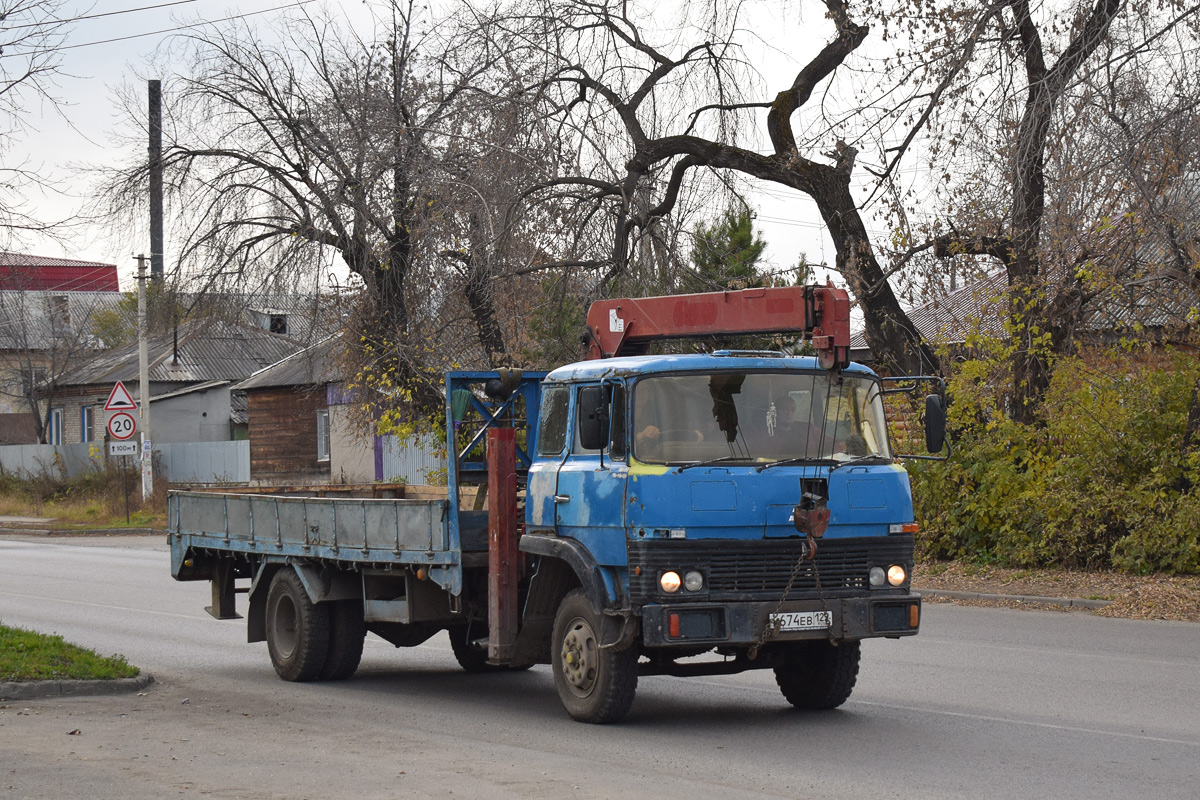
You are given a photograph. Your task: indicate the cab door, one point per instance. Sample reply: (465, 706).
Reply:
(590, 496)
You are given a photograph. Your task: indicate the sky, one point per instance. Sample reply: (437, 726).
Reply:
(103, 52)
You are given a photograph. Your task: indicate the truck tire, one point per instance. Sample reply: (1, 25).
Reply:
(472, 658)
(346, 634)
(297, 629)
(469, 657)
(595, 685)
(819, 674)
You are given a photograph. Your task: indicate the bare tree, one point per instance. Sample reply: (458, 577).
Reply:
(31, 32)
(397, 153)
(1003, 101)
(658, 117)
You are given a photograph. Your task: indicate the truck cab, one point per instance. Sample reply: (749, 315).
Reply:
(689, 485)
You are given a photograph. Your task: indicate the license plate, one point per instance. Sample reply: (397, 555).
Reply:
(802, 620)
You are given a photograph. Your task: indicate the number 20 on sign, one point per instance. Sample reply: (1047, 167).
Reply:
(121, 425)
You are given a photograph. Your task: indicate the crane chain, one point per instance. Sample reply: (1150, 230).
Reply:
(772, 627)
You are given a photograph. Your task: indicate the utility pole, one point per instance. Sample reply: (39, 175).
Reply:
(156, 182)
(144, 384)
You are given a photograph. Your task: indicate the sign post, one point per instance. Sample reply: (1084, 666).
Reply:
(122, 425)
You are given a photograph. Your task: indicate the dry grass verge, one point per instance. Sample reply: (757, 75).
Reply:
(1170, 597)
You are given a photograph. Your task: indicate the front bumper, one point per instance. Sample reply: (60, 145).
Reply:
(742, 623)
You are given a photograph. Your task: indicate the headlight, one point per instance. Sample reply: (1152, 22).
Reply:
(877, 576)
(896, 575)
(669, 581)
(693, 581)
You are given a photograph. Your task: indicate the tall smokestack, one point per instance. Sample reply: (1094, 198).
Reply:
(156, 182)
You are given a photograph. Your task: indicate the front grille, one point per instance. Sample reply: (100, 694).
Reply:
(759, 569)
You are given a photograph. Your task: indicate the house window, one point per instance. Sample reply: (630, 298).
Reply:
(55, 434)
(32, 380)
(87, 419)
(278, 324)
(323, 435)
(60, 312)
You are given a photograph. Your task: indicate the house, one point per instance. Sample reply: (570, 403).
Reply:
(191, 371)
(47, 307)
(291, 406)
(303, 429)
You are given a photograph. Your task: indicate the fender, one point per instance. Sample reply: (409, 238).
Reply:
(323, 585)
(577, 557)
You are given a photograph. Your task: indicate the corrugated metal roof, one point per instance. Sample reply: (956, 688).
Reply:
(36, 320)
(8, 259)
(314, 365)
(976, 306)
(209, 350)
(1152, 301)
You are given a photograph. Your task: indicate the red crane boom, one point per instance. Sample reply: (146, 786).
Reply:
(627, 326)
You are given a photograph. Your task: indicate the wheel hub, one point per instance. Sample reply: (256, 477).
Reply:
(284, 628)
(580, 656)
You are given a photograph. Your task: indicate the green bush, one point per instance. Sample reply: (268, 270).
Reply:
(1105, 478)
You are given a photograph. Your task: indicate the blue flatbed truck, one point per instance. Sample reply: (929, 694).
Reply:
(646, 515)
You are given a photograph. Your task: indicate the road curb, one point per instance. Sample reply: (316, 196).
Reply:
(82, 531)
(1070, 602)
(31, 690)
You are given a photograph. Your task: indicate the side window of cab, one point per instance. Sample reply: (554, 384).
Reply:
(614, 408)
(552, 429)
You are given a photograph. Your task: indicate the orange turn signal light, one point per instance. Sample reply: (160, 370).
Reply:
(914, 615)
(673, 626)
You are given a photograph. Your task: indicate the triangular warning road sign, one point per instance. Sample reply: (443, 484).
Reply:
(120, 399)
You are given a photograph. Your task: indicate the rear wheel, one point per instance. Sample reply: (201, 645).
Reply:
(346, 634)
(595, 685)
(297, 629)
(819, 674)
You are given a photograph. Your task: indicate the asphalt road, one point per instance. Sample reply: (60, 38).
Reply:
(985, 703)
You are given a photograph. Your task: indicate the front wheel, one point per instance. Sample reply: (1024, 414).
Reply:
(594, 684)
(818, 674)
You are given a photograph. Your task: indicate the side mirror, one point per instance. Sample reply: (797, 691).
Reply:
(593, 418)
(935, 424)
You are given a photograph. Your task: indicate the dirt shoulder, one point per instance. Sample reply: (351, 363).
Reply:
(1131, 596)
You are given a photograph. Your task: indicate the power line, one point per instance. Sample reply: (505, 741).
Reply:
(67, 20)
(156, 33)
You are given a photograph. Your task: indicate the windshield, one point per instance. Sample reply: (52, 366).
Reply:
(757, 416)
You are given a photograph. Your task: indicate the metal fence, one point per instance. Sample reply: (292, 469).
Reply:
(185, 462)
(412, 461)
(205, 462)
(68, 460)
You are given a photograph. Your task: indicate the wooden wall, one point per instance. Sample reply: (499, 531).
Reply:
(283, 433)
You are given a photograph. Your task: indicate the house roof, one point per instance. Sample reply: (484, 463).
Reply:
(950, 318)
(19, 271)
(196, 387)
(310, 367)
(208, 350)
(37, 320)
(1152, 301)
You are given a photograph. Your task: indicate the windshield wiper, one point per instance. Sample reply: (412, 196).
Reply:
(805, 460)
(863, 459)
(713, 461)
(825, 462)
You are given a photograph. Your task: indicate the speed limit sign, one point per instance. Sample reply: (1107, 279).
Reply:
(121, 425)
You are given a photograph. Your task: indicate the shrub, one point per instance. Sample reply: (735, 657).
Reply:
(1106, 477)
